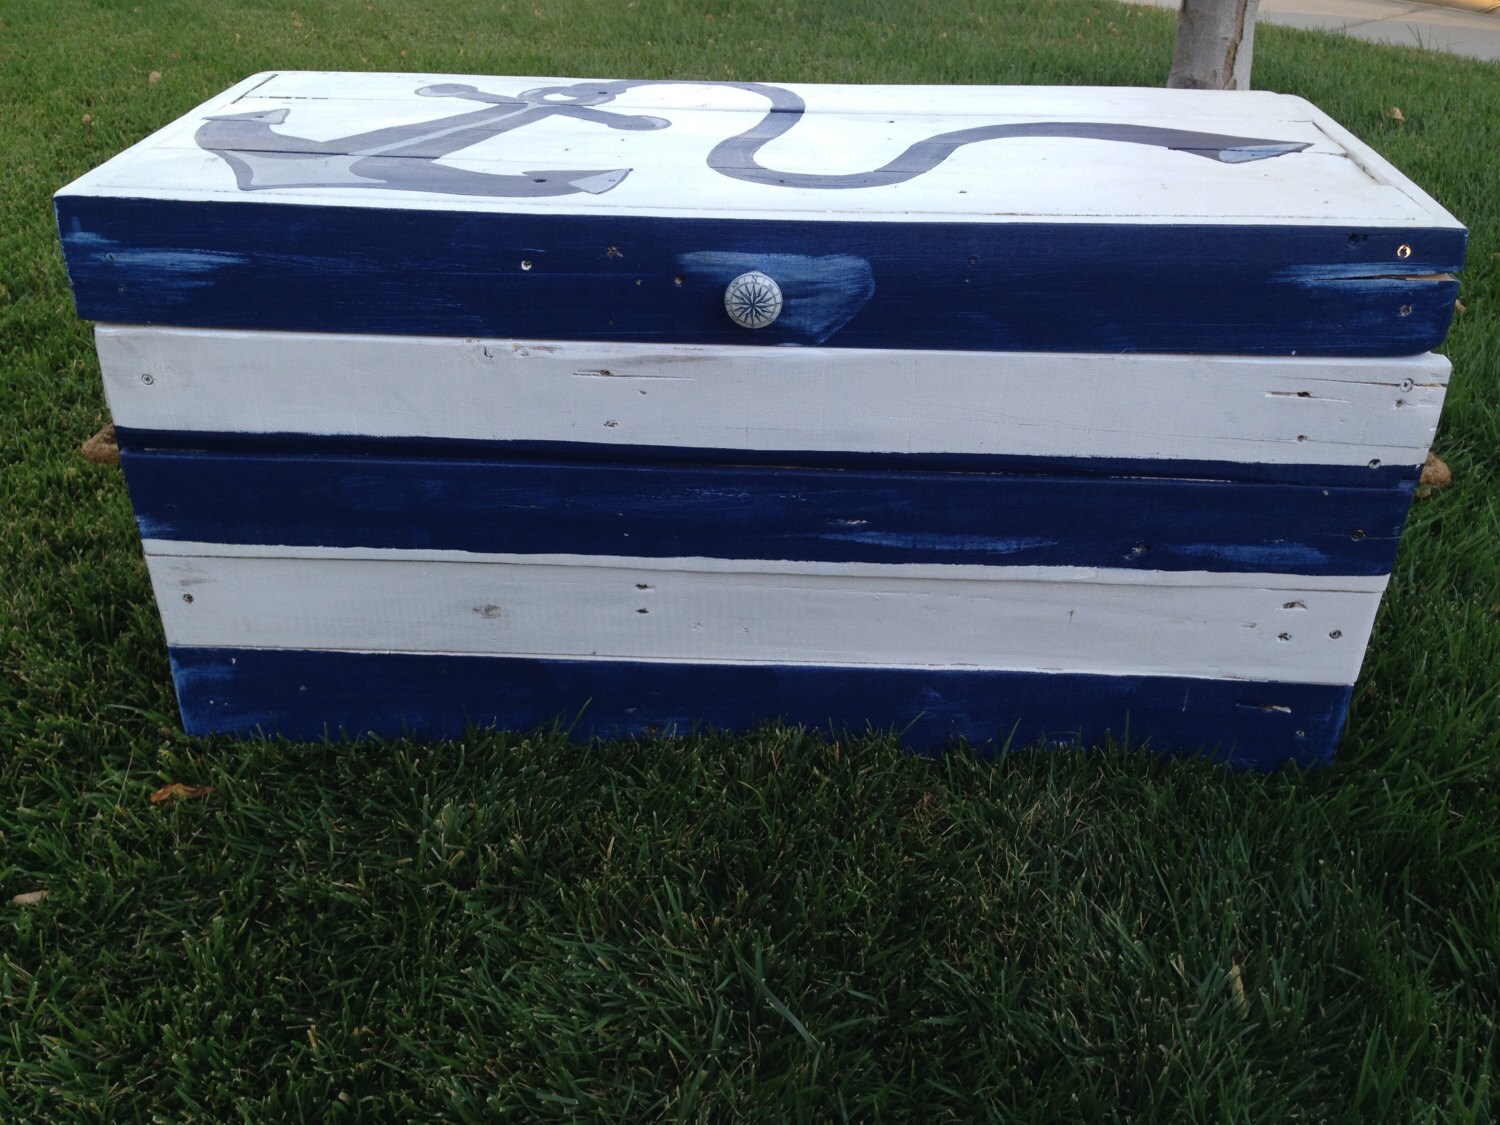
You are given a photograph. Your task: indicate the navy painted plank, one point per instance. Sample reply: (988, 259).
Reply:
(307, 695)
(1263, 290)
(467, 449)
(825, 515)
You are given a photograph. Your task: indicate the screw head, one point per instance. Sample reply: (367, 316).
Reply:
(753, 300)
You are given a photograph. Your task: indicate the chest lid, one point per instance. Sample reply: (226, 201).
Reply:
(997, 218)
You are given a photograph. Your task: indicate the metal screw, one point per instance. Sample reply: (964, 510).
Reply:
(1403, 251)
(148, 378)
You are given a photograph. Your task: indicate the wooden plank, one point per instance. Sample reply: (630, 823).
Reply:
(1255, 627)
(1255, 411)
(1038, 287)
(661, 135)
(311, 496)
(316, 694)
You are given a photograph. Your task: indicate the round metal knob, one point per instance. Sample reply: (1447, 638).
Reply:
(752, 300)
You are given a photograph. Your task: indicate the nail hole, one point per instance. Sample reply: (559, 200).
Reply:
(1336, 634)
(1405, 310)
(1357, 534)
(1403, 251)
(188, 598)
(1301, 734)
(1293, 605)
(1283, 636)
(677, 280)
(1375, 463)
(525, 263)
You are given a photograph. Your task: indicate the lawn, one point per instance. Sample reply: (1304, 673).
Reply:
(783, 926)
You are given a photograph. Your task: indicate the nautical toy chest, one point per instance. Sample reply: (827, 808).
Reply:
(1014, 414)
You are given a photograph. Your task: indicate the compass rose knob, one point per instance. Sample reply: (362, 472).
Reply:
(752, 300)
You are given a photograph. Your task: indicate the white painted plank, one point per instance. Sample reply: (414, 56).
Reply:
(1232, 580)
(756, 613)
(1337, 180)
(1254, 410)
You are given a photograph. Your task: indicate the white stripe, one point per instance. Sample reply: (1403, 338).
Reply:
(646, 609)
(1347, 583)
(1281, 411)
(1338, 181)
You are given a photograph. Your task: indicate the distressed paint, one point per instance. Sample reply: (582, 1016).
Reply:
(945, 286)
(313, 695)
(844, 132)
(1221, 417)
(1242, 626)
(426, 425)
(314, 496)
(405, 157)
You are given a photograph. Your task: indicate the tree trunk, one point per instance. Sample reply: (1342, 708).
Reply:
(1215, 41)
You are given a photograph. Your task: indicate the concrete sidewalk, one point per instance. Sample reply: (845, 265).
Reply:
(1460, 27)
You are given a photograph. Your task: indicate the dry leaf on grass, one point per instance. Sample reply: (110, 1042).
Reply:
(1237, 991)
(177, 791)
(102, 449)
(1436, 474)
(153, 78)
(1395, 114)
(30, 898)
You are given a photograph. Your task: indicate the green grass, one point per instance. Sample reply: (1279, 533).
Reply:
(779, 926)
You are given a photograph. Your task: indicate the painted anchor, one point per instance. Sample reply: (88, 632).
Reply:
(406, 157)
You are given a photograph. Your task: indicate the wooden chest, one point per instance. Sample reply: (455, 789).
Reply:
(1002, 413)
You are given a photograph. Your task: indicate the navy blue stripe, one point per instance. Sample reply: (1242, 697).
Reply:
(1372, 475)
(1260, 290)
(538, 507)
(309, 694)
